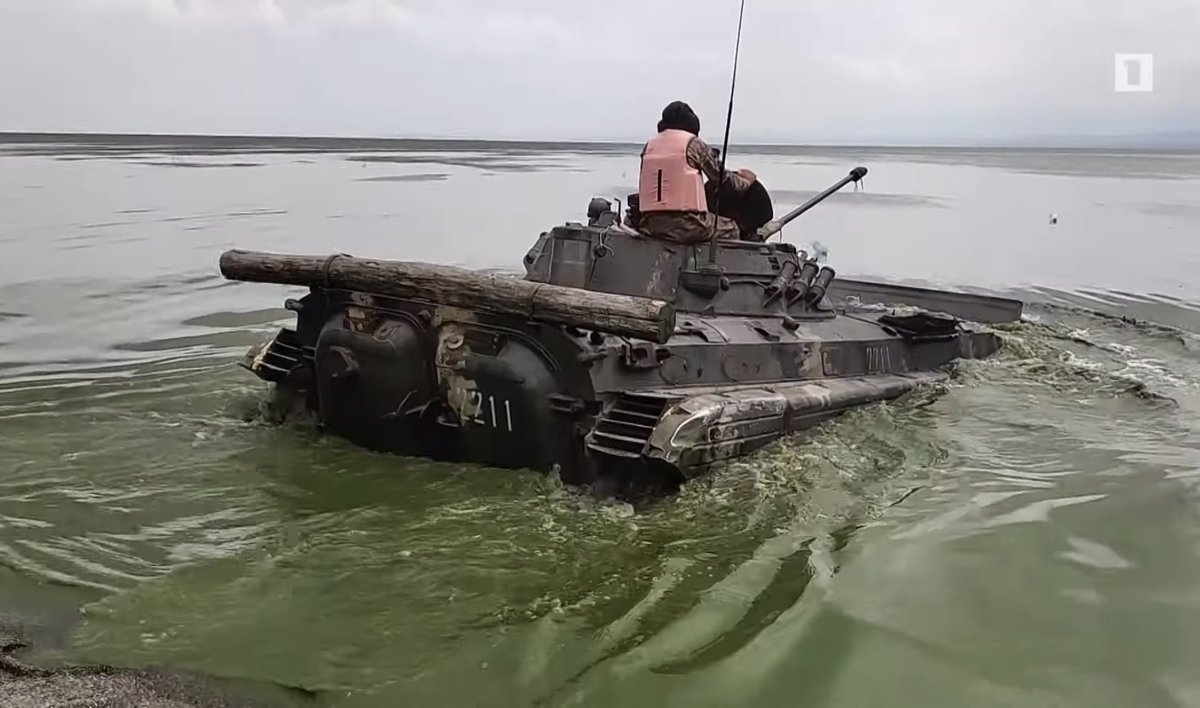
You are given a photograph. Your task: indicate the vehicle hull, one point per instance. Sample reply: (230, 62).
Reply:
(412, 378)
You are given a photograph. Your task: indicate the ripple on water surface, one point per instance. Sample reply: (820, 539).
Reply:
(1026, 537)
(871, 548)
(956, 543)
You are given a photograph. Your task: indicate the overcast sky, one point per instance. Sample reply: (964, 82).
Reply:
(811, 70)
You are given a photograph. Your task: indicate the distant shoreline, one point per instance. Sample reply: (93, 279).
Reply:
(1152, 143)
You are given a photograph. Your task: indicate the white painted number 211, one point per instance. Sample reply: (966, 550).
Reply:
(484, 410)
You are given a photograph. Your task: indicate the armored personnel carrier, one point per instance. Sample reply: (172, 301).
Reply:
(617, 356)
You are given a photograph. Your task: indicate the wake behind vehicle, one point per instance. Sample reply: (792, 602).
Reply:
(617, 357)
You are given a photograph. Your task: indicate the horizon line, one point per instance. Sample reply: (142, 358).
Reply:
(1078, 141)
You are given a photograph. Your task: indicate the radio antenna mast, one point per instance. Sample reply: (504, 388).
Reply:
(712, 247)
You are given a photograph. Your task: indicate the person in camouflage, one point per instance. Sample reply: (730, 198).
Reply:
(692, 226)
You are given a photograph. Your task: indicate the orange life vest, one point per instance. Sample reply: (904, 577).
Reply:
(667, 182)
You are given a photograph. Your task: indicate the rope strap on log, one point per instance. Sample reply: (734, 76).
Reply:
(329, 264)
(533, 300)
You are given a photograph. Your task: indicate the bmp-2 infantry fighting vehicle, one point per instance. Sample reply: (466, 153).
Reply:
(617, 356)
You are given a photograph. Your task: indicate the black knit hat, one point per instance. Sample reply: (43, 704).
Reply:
(680, 116)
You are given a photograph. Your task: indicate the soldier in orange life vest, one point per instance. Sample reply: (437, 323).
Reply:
(671, 200)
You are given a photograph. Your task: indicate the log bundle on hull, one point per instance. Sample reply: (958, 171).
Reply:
(623, 315)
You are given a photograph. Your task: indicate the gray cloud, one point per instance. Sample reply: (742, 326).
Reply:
(559, 70)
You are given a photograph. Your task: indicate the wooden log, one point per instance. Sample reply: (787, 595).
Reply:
(623, 315)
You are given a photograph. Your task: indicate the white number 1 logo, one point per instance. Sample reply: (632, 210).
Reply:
(1133, 72)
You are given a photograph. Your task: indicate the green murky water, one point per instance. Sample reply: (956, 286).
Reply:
(1026, 535)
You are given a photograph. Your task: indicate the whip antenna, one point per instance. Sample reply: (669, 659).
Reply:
(712, 248)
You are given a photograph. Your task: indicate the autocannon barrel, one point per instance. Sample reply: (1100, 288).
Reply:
(773, 227)
(623, 315)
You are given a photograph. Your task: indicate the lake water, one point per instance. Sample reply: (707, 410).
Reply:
(1028, 536)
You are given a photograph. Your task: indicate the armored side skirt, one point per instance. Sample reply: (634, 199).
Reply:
(703, 426)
